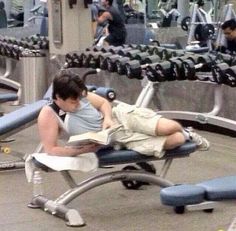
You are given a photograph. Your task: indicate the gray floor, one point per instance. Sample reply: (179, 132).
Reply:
(111, 207)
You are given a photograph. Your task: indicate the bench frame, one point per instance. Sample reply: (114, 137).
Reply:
(58, 206)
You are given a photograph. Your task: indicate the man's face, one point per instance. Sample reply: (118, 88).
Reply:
(104, 3)
(68, 105)
(230, 34)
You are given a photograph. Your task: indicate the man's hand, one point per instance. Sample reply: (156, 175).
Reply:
(90, 147)
(107, 123)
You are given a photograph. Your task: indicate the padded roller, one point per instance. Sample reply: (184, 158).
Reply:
(107, 93)
(91, 88)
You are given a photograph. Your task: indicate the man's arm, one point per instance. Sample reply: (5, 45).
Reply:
(103, 106)
(49, 130)
(104, 17)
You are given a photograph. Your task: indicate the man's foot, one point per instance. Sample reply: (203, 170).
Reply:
(202, 143)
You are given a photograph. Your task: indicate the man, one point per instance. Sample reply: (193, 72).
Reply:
(116, 28)
(229, 30)
(78, 111)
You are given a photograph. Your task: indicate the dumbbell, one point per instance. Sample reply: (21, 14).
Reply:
(164, 71)
(152, 59)
(231, 76)
(218, 72)
(136, 68)
(86, 57)
(177, 68)
(194, 63)
(17, 51)
(142, 47)
(226, 58)
(106, 48)
(141, 57)
(160, 51)
(120, 65)
(103, 60)
(94, 60)
(111, 62)
(132, 53)
(106, 92)
(115, 49)
(133, 69)
(124, 51)
(73, 60)
(151, 72)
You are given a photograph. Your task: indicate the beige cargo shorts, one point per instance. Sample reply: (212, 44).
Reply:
(139, 125)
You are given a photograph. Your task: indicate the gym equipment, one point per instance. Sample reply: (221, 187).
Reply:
(107, 157)
(111, 62)
(73, 60)
(230, 74)
(196, 63)
(199, 26)
(103, 60)
(133, 69)
(218, 72)
(120, 65)
(201, 196)
(6, 97)
(107, 93)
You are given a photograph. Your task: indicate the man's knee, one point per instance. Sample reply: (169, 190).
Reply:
(174, 140)
(167, 127)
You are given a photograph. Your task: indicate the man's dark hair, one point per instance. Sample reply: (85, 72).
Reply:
(110, 2)
(229, 24)
(67, 84)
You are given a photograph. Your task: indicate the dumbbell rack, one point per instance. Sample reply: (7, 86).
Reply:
(206, 118)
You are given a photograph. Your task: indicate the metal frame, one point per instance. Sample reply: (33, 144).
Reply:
(210, 117)
(4, 79)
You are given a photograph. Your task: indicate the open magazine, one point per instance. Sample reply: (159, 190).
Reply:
(102, 137)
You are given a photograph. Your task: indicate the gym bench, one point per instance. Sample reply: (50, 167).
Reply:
(130, 176)
(201, 196)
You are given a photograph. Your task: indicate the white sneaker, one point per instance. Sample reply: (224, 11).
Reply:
(202, 143)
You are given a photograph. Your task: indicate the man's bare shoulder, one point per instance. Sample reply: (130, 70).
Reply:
(46, 112)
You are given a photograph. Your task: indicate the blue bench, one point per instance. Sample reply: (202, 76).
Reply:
(180, 196)
(5, 97)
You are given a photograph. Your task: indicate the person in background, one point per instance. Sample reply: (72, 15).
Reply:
(116, 26)
(229, 31)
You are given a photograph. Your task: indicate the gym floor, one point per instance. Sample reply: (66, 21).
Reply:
(111, 207)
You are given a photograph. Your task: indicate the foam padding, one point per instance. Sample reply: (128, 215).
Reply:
(220, 188)
(8, 97)
(181, 195)
(109, 156)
